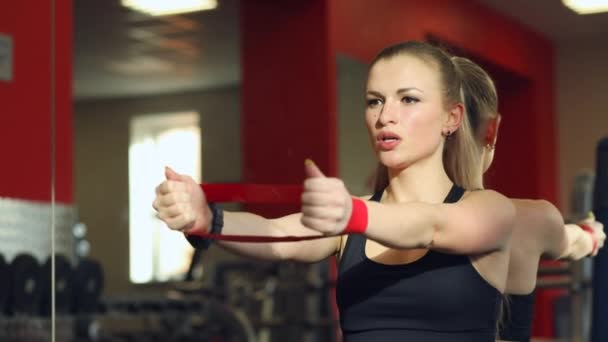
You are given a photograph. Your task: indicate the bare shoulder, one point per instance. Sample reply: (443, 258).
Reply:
(538, 211)
(539, 207)
(540, 216)
(481, 222)
(490, 209)
(487, 208)
(489, 199)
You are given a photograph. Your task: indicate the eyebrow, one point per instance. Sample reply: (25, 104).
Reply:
(399, 91)
(403, 90)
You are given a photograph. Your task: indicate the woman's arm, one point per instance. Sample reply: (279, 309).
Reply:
(541, 220)
(242, 223)
(181, 204)
(480, 222)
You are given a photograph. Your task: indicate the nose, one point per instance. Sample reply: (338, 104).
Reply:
(389, 114)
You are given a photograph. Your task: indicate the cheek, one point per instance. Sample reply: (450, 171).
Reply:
(370, 123)
(422, 125)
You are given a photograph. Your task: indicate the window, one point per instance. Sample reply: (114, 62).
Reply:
(156, 252)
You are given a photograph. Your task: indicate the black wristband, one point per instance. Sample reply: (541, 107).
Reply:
(217, 223)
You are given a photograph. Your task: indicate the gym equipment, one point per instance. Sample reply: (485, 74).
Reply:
(63, 286)
(87, 286)
(26, 289)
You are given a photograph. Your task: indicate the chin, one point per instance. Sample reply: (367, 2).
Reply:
(392, 162)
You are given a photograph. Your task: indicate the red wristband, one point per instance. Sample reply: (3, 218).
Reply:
(592, 233)
(358, 218)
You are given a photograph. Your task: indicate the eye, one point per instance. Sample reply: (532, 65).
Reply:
(409, 99)
(373, 102)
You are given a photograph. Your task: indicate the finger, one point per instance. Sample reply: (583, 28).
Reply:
(321, 199)
(333, 214)
(177, 223)
(312, 170)
(170, 174)
(175, 211)
(322, 184)
(319, 225)
(172, 198)
(170, 186)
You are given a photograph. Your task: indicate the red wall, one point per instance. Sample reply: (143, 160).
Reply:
(288, 92)
(25, 103)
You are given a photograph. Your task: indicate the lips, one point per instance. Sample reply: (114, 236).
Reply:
(387, 140)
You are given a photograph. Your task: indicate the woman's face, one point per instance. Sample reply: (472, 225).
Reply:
(405, 113)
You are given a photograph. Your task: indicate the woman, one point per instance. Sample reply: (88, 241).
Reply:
(424, 259)
(539, 227)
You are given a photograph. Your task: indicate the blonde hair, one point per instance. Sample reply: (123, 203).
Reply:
(461, 157)
(480, 96)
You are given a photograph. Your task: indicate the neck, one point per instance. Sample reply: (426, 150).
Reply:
(480, 179)
(424, 181)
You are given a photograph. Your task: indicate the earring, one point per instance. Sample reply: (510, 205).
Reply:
(447, 134)
(490, 147)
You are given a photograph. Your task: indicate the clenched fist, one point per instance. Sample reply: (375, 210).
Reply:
(326, 204)
(181, 203)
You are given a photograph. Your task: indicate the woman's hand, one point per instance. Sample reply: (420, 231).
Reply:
(181, 203)
(326, 203)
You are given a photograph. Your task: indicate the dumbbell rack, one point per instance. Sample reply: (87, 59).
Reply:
(34, 329)
(576, 278)
(191, 318)
(284, 301)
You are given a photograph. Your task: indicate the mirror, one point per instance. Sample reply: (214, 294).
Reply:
(153, 91)
(240, 94)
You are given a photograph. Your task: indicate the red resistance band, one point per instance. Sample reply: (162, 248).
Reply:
(255, 238)
(592, 233)
(268, 193)
(253, 193)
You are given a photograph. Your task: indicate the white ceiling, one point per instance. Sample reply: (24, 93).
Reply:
(118, 52)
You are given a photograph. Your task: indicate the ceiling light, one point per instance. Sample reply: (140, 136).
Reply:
(168, 7)
(587, 6)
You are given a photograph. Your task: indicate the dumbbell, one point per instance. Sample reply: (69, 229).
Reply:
(5, 284)
(87, 286)
(25, 291)
(63, 286)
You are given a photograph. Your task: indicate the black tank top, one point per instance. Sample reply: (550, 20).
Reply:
(438, 298)
(517, 315)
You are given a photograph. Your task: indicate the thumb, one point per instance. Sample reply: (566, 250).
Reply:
(170, 174)
(312, 170)
(589, 219)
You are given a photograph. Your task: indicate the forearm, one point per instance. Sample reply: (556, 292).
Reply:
(579, 243)
(242, 223)
(403, 226)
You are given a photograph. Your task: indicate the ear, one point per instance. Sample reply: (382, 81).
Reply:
(455, 117)
(492, 130)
